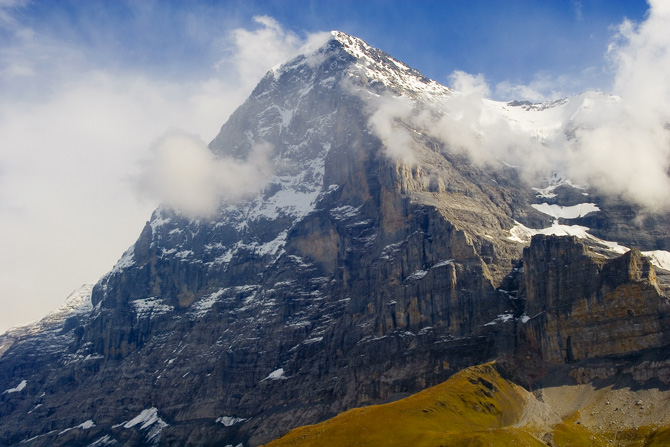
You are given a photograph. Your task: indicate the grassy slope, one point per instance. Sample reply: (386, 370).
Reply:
(475, 407)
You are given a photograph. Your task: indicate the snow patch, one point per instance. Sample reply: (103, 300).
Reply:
(17, 388)
(149, 420)
(84, 426)
(277, 374)
(150, 307)
(554, 182)
(158, 221)
(566, 212)
(345, 212)
(443, 263)
(184, 254)
(229, 421)
(127, 259)
(204, 304)
(310, 341)
(105, 440)
(419, 274)
(272, 247)
(521, 233)
(146, 418)
(660, 258)
(502, 318)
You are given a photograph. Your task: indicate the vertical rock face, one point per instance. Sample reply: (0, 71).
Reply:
(351, 278)
(583, 306)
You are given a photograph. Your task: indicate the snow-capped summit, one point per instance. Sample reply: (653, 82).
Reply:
(367, 65)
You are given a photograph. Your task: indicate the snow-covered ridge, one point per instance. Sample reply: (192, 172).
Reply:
(381, 67)
(521, 233)
(546, 121)
(372, 64)
(77, 303)
(660, 258)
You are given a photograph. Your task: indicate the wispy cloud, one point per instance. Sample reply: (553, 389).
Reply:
(620, 145)
(546, 86)
(577, 7)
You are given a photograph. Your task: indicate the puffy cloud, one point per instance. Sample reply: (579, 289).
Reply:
(619, 144)
(387, 121)
(463, 121)
(627, 148)
(253, 52)
(185, 175)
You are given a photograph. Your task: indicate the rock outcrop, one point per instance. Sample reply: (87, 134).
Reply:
(583, 306)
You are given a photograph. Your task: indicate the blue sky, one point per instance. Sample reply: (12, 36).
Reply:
(88, 87)
(514, 40)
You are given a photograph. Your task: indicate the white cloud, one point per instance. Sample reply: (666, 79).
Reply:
(462, 122)
(621, 146)
(253, 52)
(544, 87)
(628, 148)
(185, 175)
(257, 50)
(74, 137)
(387, 122)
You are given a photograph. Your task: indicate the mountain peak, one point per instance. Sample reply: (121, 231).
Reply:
(353, 45)
(370, 68)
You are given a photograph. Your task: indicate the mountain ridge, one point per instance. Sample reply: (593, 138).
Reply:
(353, 276)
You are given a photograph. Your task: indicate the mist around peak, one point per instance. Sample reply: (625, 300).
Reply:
(184, 174)
(618, 144)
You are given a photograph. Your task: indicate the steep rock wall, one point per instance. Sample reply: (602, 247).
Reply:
(582, 306)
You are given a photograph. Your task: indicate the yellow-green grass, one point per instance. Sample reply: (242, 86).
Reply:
(659, 438)
(475, 407)
(571, 433)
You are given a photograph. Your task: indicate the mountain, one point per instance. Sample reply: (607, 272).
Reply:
(360, 273)
(478, 406)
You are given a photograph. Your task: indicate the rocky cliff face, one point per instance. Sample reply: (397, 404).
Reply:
(583, 306)
(351, 278)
